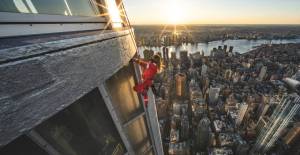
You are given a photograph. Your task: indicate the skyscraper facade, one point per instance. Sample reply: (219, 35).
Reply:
(66, 87)
(242, 111)
(280, 118)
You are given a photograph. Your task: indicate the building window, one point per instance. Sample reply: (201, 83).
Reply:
(124, 99)
(138, 135)
(85, 127)
(129, 109)
(35, 17)
(51, 7)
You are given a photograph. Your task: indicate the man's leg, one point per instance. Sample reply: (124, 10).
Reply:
(143, 89)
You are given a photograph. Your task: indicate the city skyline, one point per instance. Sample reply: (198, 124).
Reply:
(213, 12)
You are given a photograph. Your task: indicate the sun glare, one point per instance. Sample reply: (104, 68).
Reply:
(114, 13)
(175, 12)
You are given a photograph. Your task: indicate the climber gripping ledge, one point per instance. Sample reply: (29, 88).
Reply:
(149, 70)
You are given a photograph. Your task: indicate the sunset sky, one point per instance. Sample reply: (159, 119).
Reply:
(213, 11)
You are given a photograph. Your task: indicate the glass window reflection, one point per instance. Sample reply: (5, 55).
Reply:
(51, 7)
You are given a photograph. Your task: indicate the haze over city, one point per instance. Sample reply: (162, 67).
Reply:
(144, 12)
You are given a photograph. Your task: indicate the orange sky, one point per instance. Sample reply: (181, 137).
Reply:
(213, 11)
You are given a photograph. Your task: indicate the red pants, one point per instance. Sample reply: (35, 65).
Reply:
(143, 88)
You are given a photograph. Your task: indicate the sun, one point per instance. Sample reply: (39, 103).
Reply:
(114, 13)
(174, 12)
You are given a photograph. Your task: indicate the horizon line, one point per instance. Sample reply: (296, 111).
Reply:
(216, 24)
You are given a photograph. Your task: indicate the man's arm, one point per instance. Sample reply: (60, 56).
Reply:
(140, 62)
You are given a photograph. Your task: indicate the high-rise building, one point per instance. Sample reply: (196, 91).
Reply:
(262, 109)
(173, 55)
(213, 94)
(204, 81)
(225, 48)
(290, 143)
(166, 55)
(292, 135)
(204, 70)
(202, 135)
(183, 55)
(292, 84)
(236, 77)
(230, 49)
(228, 74)
(174, 60)
(284, 112)
(185, 127)
(242, 111)
(262, 73)
(180, 84)
(213, 52)
(261, 123)
(66, 86)
(184, 60)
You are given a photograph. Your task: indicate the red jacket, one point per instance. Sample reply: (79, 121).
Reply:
(150, 71)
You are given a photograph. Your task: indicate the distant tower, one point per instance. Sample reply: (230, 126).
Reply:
(204, 83)
(184, 60)
(183, 55)
(174, 60)
(180, 84)
(230, 49)
(243, 107)
(225, 48)
(213, 52)
(173, 55)
(228, 74)
(166, 55)
(284, 112)
(219, 47)
(203, 70)
(202, 135)
(213, 94)
(262, 73)
(262, 109)
(184, 131)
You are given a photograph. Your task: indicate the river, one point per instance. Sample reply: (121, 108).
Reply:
(240, 46)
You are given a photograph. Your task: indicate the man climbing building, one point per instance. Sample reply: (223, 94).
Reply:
(149, 69)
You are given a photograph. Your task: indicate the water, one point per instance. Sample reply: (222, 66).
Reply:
(240, 46)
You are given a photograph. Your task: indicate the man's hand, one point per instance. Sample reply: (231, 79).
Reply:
(136, 60)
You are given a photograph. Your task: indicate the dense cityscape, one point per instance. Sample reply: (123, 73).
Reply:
(229, 103)
(176, 35)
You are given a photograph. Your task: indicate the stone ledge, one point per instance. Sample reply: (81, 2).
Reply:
(31, 50)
